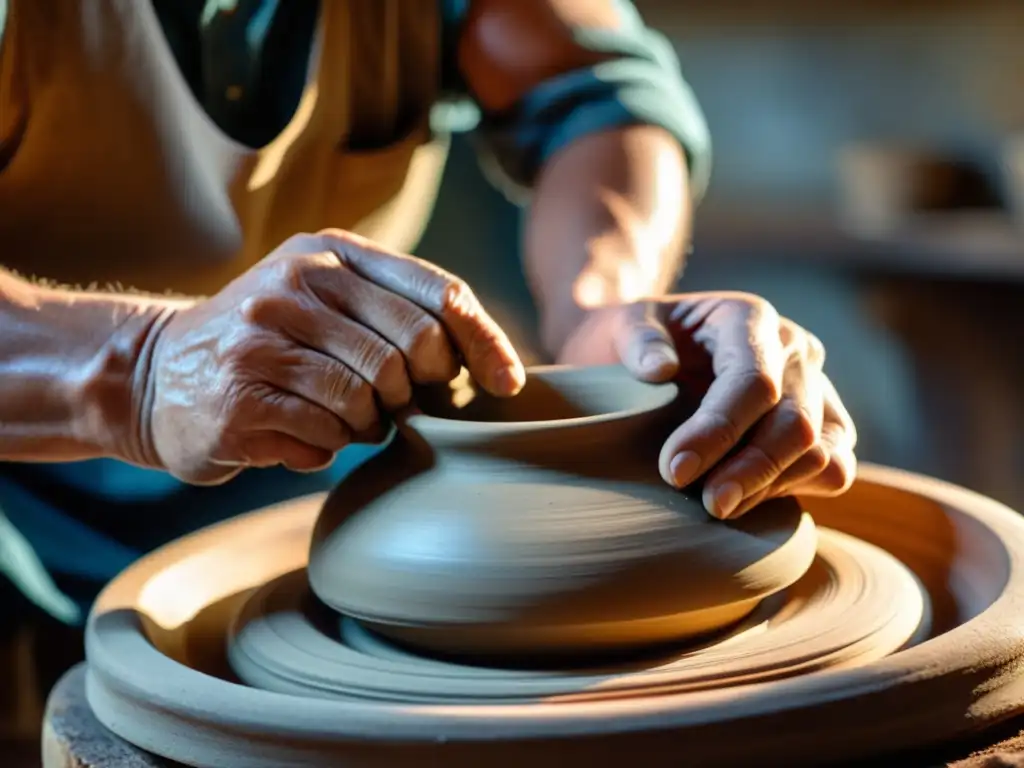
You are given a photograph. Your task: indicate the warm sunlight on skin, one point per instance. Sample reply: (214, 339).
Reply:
(622, 272)
(463, 391)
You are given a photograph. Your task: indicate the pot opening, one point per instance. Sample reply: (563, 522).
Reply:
(551, 394)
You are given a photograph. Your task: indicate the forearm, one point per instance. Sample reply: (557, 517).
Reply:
(70, 367)
(609, 223)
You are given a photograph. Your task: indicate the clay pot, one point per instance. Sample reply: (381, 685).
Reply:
(540, 525)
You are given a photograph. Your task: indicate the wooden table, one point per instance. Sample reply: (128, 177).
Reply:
(73, 738)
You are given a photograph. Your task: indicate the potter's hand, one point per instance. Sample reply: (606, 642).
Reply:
(758, 377)
(292, 360)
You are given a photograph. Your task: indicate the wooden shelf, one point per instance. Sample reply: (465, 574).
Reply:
(967, 245)
(680, 15)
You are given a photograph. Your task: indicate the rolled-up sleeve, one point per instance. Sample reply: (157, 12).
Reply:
(640, 84)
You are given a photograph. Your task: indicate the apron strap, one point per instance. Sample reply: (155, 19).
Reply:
(13, 101)
(394, 65)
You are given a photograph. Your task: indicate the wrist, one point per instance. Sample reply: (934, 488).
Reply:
(112, 399)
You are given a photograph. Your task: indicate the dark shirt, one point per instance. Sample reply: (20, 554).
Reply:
(246, 60)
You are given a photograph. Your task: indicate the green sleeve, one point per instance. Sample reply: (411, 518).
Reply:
(640, 85)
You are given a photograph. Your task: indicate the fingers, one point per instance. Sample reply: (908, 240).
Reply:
(645, 346)
(380, 338)
(269, 449)
(487, 351)
(748, 358)
(804, 470)
(838, 444)
(827, 468)
(294, 417)
(770, 422)
(343, 392)
(280, 429)
(782, 438)
(419, 340)
(340, 365)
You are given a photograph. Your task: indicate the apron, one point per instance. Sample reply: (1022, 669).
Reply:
(111, 172)
(118, 175)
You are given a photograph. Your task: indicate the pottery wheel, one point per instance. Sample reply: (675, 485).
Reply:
(856, 604)
(905, 631)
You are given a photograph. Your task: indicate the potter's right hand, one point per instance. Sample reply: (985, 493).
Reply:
(294, 359)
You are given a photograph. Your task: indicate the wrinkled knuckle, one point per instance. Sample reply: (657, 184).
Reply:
(802, 430)
(458, 298)
(750, 299)
(294, 271)
(296, 244)
(755, 305)
(722, 430)
(359, 402)
(845, 432)
(336, 242)
(762, 387)
(302, 242)
(426, 338)
(333, 233)
(815, 349)
(768, 465)
(341, 385)
(839, 475)
(851, 435)
(265, 309)
(245, 357)
(389, 370)
(429, 352)
(817, 459)
(351, 397)
(239, 405)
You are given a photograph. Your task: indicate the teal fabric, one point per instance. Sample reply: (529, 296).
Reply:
(67, 529)
(641, 84)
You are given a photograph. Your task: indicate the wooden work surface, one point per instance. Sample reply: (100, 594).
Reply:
(73, 738)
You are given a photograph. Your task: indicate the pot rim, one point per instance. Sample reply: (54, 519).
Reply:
(430, 425)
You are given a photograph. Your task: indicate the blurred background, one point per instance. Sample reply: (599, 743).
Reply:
(869, 181)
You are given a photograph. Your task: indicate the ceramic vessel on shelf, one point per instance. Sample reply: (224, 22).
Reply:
(540, 525)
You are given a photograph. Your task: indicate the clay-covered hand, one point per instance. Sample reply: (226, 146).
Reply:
(298, 357)
(769, 422)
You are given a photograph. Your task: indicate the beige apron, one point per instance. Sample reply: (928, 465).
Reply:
(117, 174)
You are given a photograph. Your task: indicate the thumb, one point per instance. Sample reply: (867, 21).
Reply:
(645, 346)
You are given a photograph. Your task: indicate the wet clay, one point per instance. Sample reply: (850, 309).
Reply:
(539, 525)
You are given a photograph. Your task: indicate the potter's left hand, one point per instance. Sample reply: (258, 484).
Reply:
(758, 378)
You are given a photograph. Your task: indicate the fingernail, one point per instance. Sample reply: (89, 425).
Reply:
(684, 468)
(510, 379)
(653, 360)
(721, 501)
